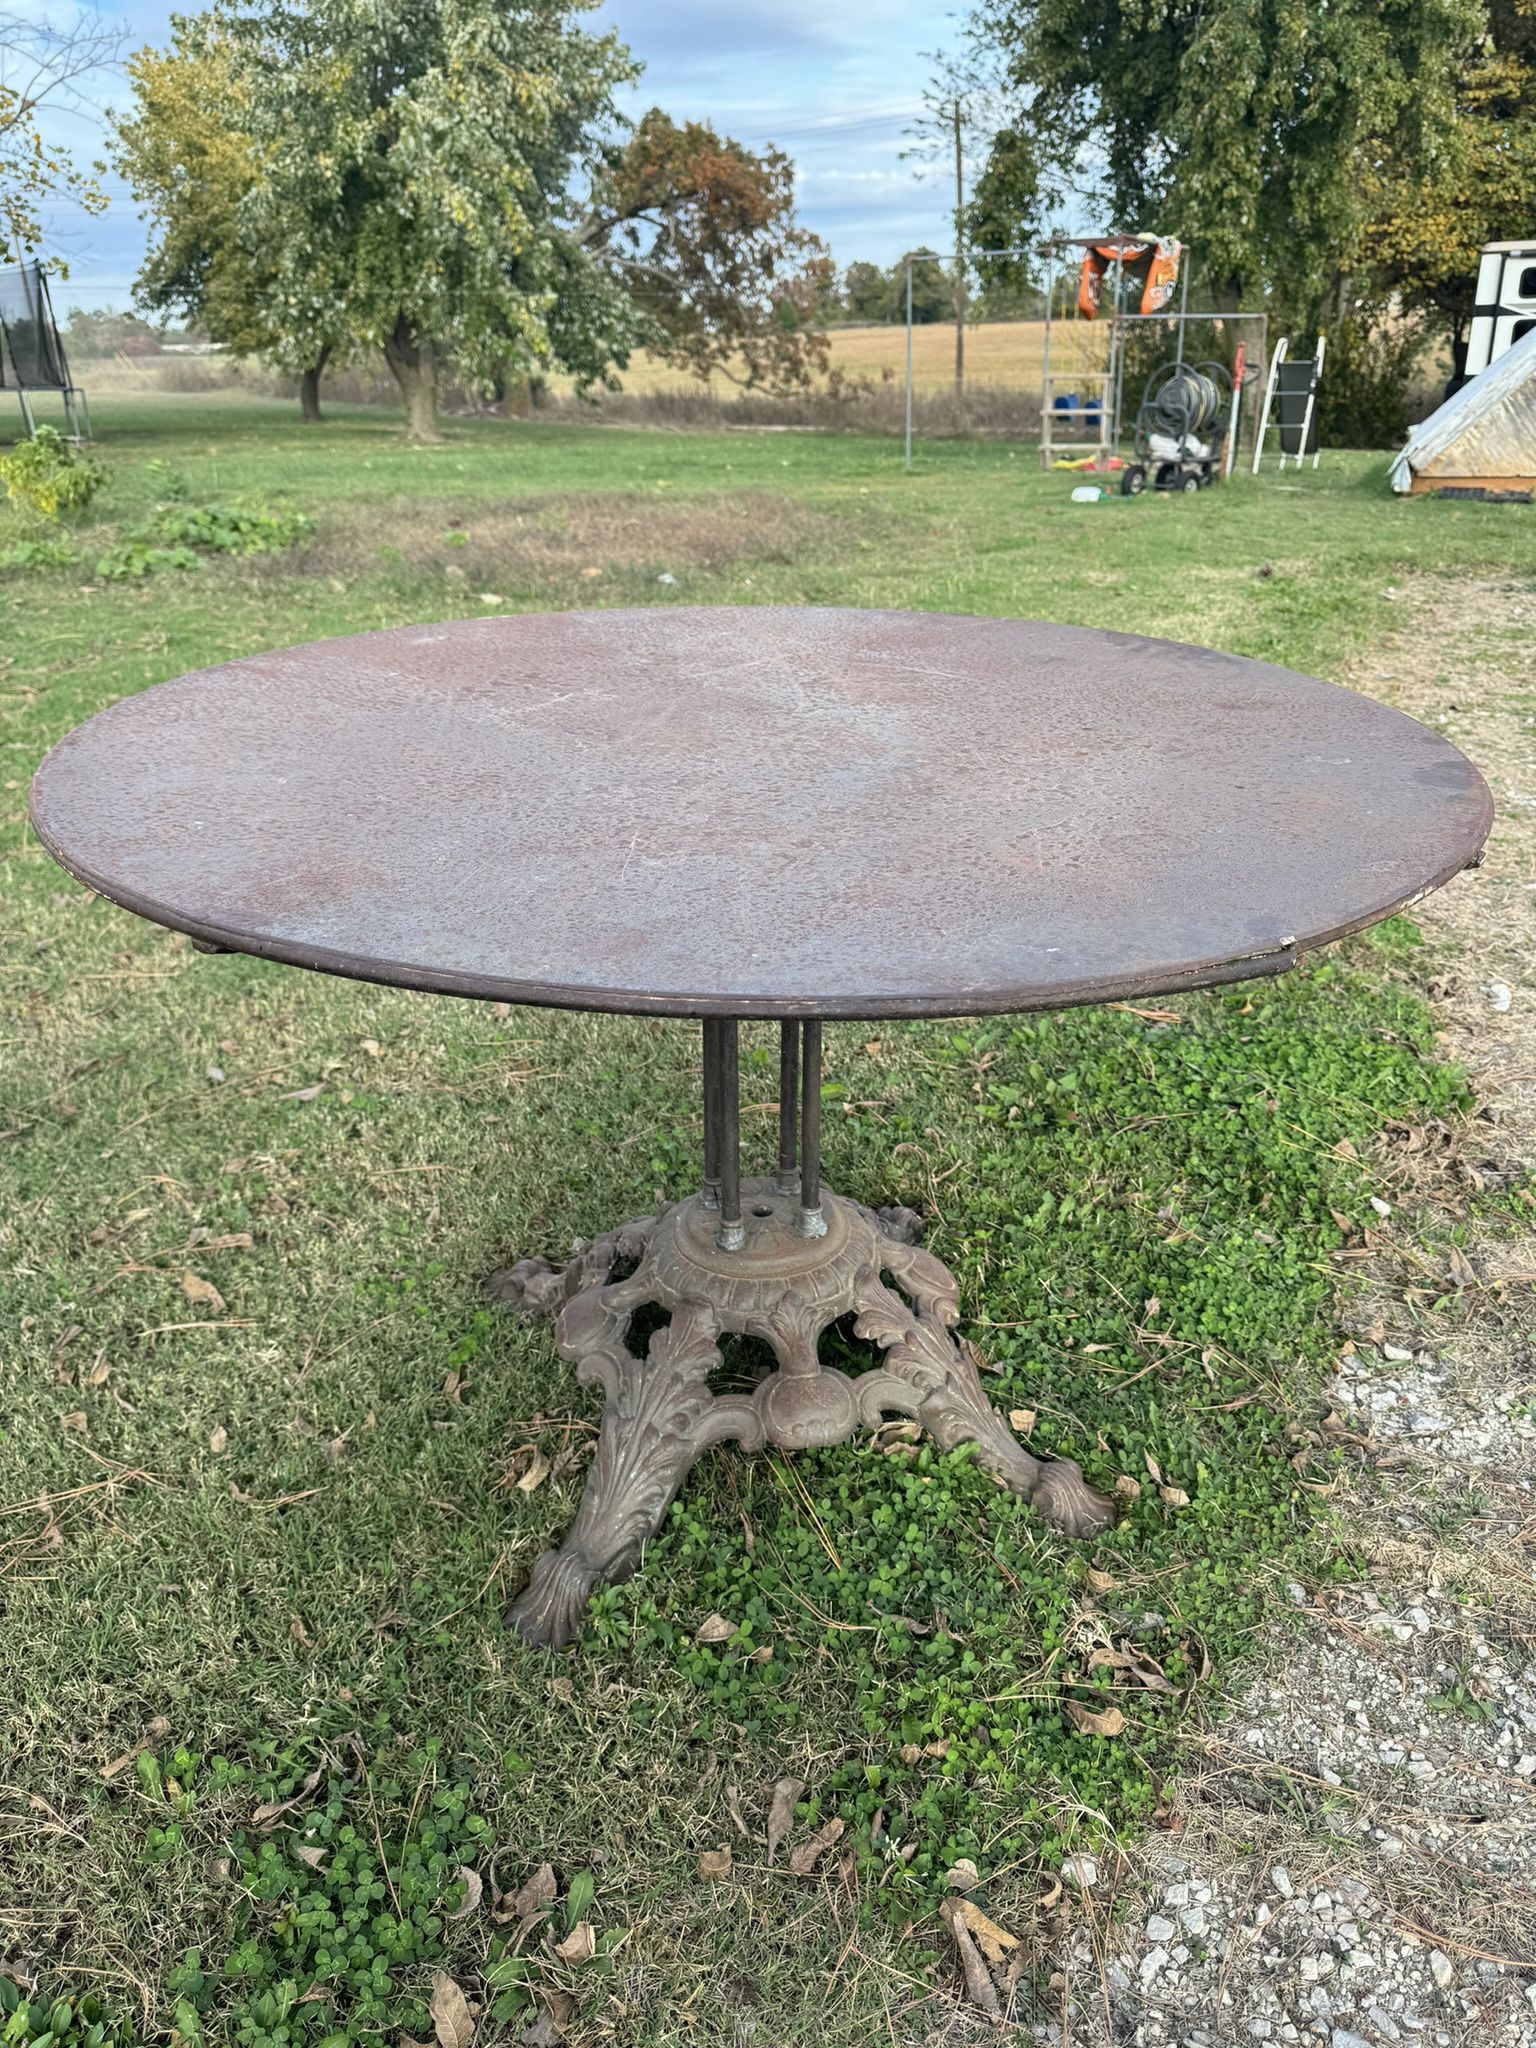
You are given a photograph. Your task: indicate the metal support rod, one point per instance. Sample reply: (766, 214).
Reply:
(709, 1194)
(909, 363)
(811, 1222)
(789, 1107)
(732, 1231)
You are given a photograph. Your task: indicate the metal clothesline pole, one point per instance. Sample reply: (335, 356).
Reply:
(909, 362)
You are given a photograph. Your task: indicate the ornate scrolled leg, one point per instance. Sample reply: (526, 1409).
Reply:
(945, 1391)
(660, 1416)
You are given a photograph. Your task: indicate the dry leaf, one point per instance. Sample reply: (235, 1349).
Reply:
(979, 1988)
(1462, 1270)
(1153, 1467)
(303, 1094)
(559, 2009)
(803, 1860)
(1021, 1419)
(715, 1864)
(1110, 1722)
(579, 1946)
(451, 2021)
(1127, 1488)
(75, 1421)
(100, 1370)
(962, 1875)
(535, 1475)
(310, 1853)
(1098, 1582)
(549, 2025)
(372, 1047)
(536, 1894)
(474, 1885)
(993, 1940)
(202, 1293)
(715, 1629)
(781, 1812)
(264, 1816)
(1173, 1496)
(232, 1241)
(218, 1439)
(1141, 1668)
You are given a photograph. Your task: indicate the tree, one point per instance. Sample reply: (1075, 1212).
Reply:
(41, 67)
(1244, 131)
(185, 148)
(103, 331)
(867, 293)
(389, 178)
(449, 181)
(933, 295)
(701, 233)
(1426, 228)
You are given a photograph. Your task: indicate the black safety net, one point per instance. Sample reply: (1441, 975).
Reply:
(33, 356)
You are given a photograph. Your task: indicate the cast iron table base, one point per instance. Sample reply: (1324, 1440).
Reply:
(780, 1259)
(784, 814)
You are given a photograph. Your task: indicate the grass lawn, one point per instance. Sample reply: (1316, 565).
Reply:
(260, 1435)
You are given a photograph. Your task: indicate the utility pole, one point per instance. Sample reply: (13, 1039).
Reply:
(956, 110)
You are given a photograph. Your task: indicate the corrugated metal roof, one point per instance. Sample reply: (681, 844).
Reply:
(1487, 429)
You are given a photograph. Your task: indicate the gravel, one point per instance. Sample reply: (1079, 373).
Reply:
(1351, 1854)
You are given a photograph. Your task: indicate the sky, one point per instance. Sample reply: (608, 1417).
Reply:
(835, 83)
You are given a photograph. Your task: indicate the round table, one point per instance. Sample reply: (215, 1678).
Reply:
(760, 813)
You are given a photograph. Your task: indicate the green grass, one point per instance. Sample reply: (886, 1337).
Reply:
(270, 1534)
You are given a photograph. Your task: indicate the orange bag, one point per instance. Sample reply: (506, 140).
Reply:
(1162, 276)
(1161, 261)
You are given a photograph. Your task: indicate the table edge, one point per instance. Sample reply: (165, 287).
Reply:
(993, 1000)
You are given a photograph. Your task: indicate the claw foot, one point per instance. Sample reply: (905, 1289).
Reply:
(1062, 1497)
(551, 1610)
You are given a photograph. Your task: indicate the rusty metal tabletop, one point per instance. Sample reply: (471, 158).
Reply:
(761, 812)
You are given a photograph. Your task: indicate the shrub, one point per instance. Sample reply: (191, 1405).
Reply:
(135, 557)
(182, 536)
(38, 554)
(225, 529)
(1362, 398)
(51, 476)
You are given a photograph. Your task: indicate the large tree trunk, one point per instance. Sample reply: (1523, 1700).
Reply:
(411, 364)
(309, 390)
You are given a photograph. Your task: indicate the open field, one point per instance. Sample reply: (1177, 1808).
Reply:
(262, 1434)
(1006, 354)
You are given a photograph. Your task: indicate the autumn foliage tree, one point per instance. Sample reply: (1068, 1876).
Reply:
(702, 234)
